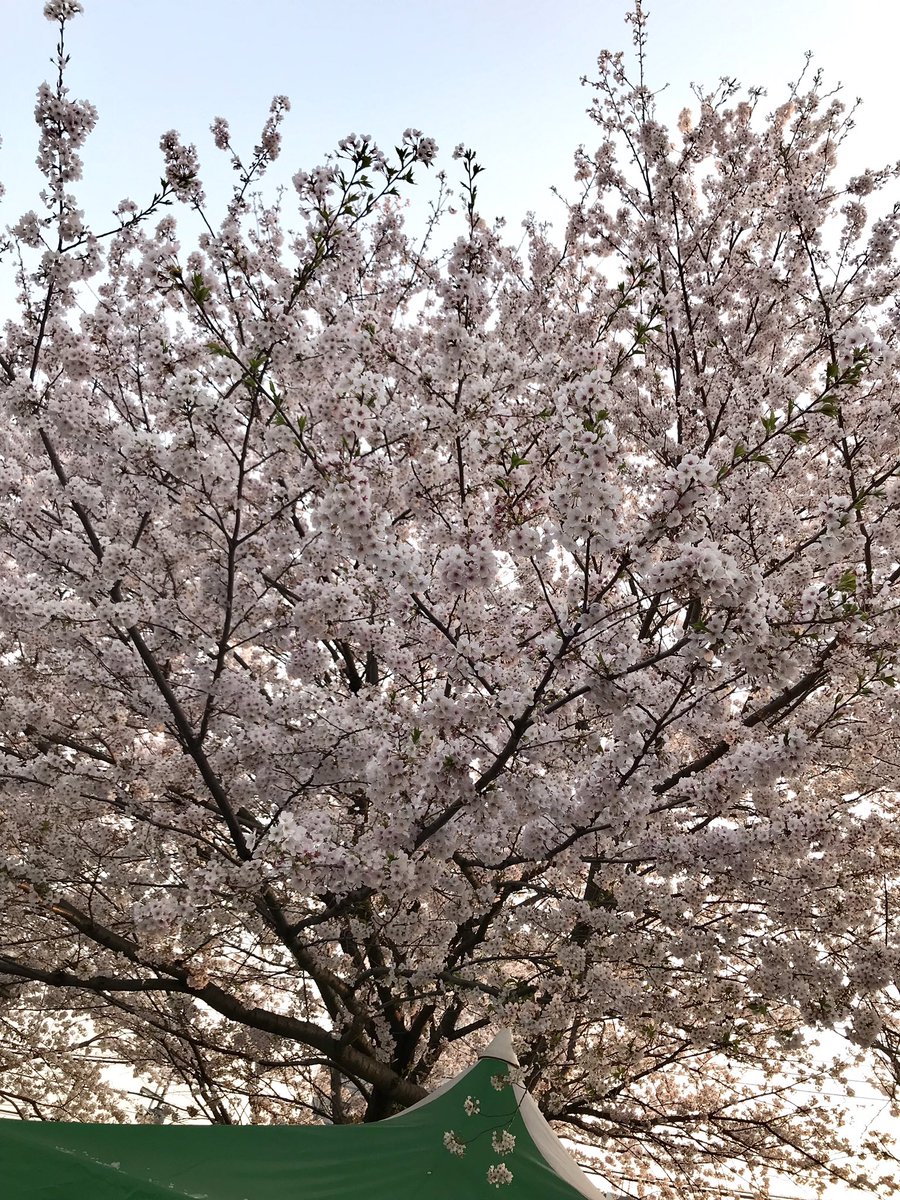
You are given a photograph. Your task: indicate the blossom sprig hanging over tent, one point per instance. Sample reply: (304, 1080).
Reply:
(398, 640)
(502, 1139)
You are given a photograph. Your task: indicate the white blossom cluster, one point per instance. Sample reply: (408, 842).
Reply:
(499, 1175)
(453, 1144)
(503, 1142)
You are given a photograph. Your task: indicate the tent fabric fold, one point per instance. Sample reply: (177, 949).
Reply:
(404, 1158)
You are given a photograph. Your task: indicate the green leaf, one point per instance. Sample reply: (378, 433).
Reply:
(198, 290)
(800, 436)
(847, 583)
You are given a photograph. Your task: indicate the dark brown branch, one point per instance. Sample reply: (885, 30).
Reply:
(797, 691)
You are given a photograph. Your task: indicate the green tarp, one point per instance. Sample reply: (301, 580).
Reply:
(403, 1158)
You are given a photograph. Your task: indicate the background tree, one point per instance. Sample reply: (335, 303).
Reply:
(398, 643)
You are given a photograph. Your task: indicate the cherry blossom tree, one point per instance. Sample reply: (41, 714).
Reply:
(402, 637)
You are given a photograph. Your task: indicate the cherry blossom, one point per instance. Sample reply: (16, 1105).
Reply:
(401, 638)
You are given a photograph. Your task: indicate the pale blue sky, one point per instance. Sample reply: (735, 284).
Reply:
(501, 75)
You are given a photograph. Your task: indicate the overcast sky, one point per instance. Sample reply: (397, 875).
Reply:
(500, 75)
